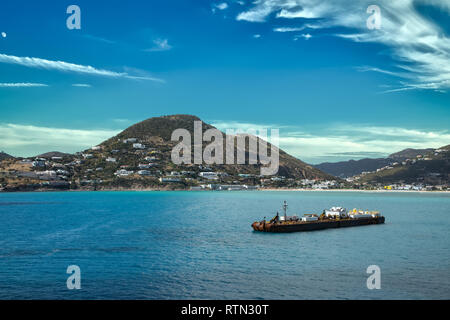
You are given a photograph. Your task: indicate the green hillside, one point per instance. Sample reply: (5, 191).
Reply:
(431, 167)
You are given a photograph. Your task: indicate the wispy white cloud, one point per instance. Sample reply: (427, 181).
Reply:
(352, 141)
(418, 44)
(221, 6)
(258, 13)
(288, 29)
(28, 140)
(57, 65)
(81, 85)
(99, 39)
(159, 45)
(305, 36)
(243, 126)
(22, 85)
(293, 10)
(122, 121)
(366, 141)
(373, 69)
(67, 67)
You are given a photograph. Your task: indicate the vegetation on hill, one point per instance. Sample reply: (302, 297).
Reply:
(344, 169)
(409, 153)
(53, 154)
(431, 168)
(4, 156)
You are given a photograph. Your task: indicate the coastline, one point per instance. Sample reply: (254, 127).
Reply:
(357, 190)
(262, 189)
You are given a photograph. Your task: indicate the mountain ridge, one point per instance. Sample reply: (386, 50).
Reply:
(349, 168)
(431, 168)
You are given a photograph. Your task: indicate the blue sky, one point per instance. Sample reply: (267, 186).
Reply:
(334, 88)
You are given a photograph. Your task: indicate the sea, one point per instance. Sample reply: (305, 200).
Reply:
(200, 245)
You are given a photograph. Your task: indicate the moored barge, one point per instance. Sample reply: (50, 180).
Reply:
(336, 217)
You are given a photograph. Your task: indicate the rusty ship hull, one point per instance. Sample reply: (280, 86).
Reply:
(314, 225)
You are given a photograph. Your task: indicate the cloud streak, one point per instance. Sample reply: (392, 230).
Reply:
(352, 141)
(417, 43)
(81, 85)
(288, 29)
(22, 85)
(63, 66)
(28, 140)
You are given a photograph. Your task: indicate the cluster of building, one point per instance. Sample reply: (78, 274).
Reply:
(44, 169)
(419, 185)
(414, 187)
(131, 159)
(319, 185)
(225, 187)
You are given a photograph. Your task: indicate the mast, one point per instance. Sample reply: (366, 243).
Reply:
(285, 209)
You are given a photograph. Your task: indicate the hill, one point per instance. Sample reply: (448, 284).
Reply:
(344, 169)
(155, 134)
(54, 154)
(430, 168)
(161, 127)
(4, 156)
(409, 153)
(140, 157)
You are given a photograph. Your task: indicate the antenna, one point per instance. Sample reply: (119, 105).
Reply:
(285, 209)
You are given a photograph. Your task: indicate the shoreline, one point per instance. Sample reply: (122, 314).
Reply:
(357, 190)
(268, 189)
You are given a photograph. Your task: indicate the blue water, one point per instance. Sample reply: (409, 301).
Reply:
(199, 245)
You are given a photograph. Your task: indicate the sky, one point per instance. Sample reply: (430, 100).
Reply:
(336, 79)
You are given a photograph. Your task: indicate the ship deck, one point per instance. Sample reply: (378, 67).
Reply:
(295, 226)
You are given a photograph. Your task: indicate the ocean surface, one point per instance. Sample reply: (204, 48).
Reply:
(199, 245)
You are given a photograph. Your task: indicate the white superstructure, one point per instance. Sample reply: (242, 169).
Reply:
(361, 214)
(336, 212)
(310, 218)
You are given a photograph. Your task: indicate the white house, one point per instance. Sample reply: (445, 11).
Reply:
(38, 163)
(46, 173)
(169, 179)
(138, 146)
(123, 173)
(144, 173)
(209, 175)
